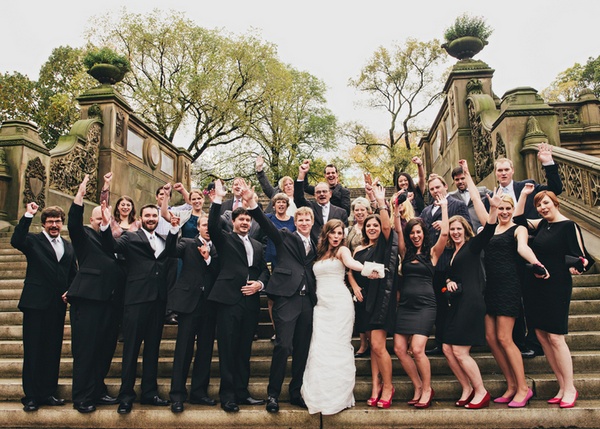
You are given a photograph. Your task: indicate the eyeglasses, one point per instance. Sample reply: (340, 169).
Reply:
(53, 222)
(321, 192)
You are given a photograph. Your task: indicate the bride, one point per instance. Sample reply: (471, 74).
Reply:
(330, 372)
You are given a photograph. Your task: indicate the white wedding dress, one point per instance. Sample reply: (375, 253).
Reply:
(330, 373)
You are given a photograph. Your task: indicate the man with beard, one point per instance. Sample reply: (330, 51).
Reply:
(236, 290)
(91, 297)
(145, 301)
(322, 207)
(340, 196)
(50, 270)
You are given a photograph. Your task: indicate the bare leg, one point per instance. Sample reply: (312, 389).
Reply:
(418, 344)
(408, 364)
(551, 358)
(470, 368)
(500, 355)
(364, 343)
(383, 362)
(504, 329)
(563, 362)
(458, 372)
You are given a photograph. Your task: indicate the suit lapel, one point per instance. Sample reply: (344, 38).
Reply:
(147, 247)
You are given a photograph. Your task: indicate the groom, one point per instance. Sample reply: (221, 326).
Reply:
(292, 288)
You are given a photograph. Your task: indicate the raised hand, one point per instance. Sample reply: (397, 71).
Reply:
(260, 163)
(544, 153)
(416, 160)
(220, 190)
(368, 179)
(441, 201)
(204, 252)
(32, 208)
(167, 188)
(496, 198)
(528, 189)
(107, 178)
(465, 167)
(379, 192)
(178, 187)
(106, 216)
(83, 185)
(175, 220)
(303, 169)
(247, 192)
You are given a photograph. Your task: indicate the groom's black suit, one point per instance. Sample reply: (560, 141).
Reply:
(292, 307)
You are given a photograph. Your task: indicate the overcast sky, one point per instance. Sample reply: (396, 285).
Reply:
(533, 40)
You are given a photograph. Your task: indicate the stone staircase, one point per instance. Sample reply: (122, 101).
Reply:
(584, 341)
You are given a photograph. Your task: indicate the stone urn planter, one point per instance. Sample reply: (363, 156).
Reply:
(106, 73)
(464, 47)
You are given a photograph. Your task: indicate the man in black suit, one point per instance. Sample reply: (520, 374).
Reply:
(236, 201)
(292, 287)
(243, 274)
(197, 317)
(322, 207)
(340, 196)
(145, 301)
(50, 269)
(462, 194)
(90, 295)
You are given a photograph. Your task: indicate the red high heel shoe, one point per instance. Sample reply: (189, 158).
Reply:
(564, 404)
(515, 404)
(372, 402)
(423, 405)
(464, 402)
(503, 400)
(555, 400)
(485, 402)
(386, 404)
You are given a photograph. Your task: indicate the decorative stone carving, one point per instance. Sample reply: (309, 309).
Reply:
(500, 151)
(35, 183)
(95, 111)
(568, 116)
(67, 172)
(482, 143)
(119, 126)
(533, 128)
(474, 86)
(451, 104)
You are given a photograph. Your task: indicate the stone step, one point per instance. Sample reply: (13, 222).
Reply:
(13, 274)
(11, 257)
(11, 284)
(20, 264)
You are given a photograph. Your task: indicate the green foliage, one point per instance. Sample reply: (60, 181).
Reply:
(106, 56)
(569, 83)
(18, 97)
(467, 25)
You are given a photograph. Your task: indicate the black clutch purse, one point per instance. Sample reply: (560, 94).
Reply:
(536, 269)
(574, 262)
(450, 296)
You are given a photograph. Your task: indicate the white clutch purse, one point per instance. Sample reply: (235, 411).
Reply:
(369, 267)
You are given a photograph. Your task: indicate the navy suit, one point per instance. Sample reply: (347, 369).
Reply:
(554, 185)
(43, 310)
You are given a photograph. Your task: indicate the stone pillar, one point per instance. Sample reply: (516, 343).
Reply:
(26, 166)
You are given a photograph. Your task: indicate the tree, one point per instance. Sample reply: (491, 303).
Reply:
(570, 82)
(404, 81)
(18, 97)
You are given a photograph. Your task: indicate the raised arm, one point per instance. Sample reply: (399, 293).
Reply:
(164, 207)
(398, 224)
(520, 207)
(440, 244)
(478, 205)
(384, 213)
(105, 191)
(263, 180)
(299, 197)
(421, 171)
(184, 193)
(554, 183)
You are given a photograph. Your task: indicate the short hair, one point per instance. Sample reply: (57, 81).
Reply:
(466, 226)
(330, 166)
(433, 177)
(361, 201)
(196, 191)
(282, 181)
(53, 211)
(499, 160)
(324, 184)
(508, 199)
(201, 218)
(304, 211)
(160, 188)
(131, 216)
(540, 196)
(457, 172)
(280, 196)
(238, 212)
(149, 206)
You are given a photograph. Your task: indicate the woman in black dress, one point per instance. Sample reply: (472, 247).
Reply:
(415, 193)
(379, 296)
(417, 308)
(547, 300)
(504, 271)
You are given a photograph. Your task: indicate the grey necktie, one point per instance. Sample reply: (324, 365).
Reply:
(57, 248)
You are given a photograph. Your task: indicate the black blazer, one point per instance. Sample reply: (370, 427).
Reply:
(46, 279)
(226, 205)
(146, 275)
(470, 207)
(455, 207)
(294, 267)
(335, 212)
(234, 269)
(554, 185)
(98, 270)
(196, 278)
(340, 196)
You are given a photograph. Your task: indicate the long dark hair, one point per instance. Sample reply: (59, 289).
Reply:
(411, 250)
(323, 244)
(131, 216)
(411, 183)
(365, 239)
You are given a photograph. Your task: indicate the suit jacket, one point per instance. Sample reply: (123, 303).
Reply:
(146, 275)
(46, 279)
(234, 269)
(196, 278)
(335, 212)
(294, 267)
(340, 196)
(554, 185)
(482, 194)
(455, 207)
(98, 270)
(255, 231)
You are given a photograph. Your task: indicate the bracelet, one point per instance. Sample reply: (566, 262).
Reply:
(382, 208)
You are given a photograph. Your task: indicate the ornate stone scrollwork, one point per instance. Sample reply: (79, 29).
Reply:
(474, 86)
(568, 116)
(119, 126)
(66, 172)
(482, 144)
(500, 151)
(94, 111)
(35, 183)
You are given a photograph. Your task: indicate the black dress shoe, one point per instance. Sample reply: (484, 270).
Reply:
(52, 401)
(124, 408)
(230, 407)
(251, 401)
(107, 400)
(84, 407)
(205, 400)
(436, 351)
(30, 405)
(171, 319)
(367, 352)
(272, 405)
(177, 407)
(528, 354)
(299, 402)
(156, 401)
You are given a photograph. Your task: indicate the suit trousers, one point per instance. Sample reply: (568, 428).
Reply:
(141, 322)
(236, 325)
(292, 317)
(42, 345)
(197, 326)
(92, 346)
